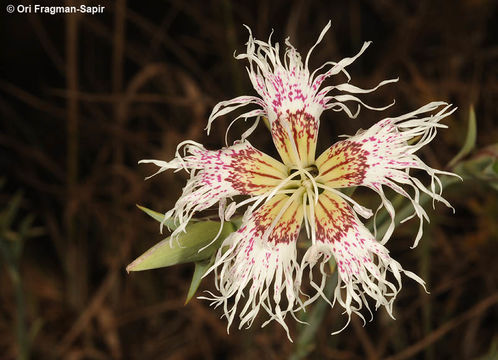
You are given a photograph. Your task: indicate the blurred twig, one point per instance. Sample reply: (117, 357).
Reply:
(411, 350)
(75, 271)
(94, 305)
(13, 235)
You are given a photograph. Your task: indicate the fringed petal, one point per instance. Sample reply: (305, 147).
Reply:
(217, 175)
(256, 266)
(382, 156)
(363, 264)
(291, 98)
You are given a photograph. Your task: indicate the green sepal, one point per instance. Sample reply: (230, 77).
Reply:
(170, 223)
(201, 267)
(185, 248)
(470, 139)
(8, 214)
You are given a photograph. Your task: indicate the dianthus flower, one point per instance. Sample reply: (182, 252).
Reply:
(257, 266)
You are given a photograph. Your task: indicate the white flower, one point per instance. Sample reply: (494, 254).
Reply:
(257, 267)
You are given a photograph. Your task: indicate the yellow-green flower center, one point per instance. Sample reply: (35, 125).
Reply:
(304, 179)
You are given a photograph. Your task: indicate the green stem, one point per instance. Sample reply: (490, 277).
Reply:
(12, 265)
(306, 339)
(425, 266)
(21, 330)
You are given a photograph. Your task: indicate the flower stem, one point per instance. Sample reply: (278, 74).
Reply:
(306, 340)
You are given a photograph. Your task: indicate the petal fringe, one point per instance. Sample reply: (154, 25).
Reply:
(217, 175)
(291, 98)
(383, 156)
(257, 264)
(363, 264)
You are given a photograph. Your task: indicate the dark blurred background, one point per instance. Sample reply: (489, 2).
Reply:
(84, 97)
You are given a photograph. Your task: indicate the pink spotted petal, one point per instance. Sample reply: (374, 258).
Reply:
(382, 156)
(217, 175)
(291, 98)
(256, 266)
(363, 264)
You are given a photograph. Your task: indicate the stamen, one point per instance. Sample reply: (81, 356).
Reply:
(262, 196)
(312, 179)
(287, 128)
(269, 195)
(305, 215)
(284, 182)
(311, 215)
(363, 211)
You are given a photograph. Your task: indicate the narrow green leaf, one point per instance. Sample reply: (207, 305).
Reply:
(23, 234)
(483, 166)
(10, 212)
(470, 140)
(185, 248)
(201, 267)
(158, 217)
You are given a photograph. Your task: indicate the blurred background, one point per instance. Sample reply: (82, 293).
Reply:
(84, 97)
